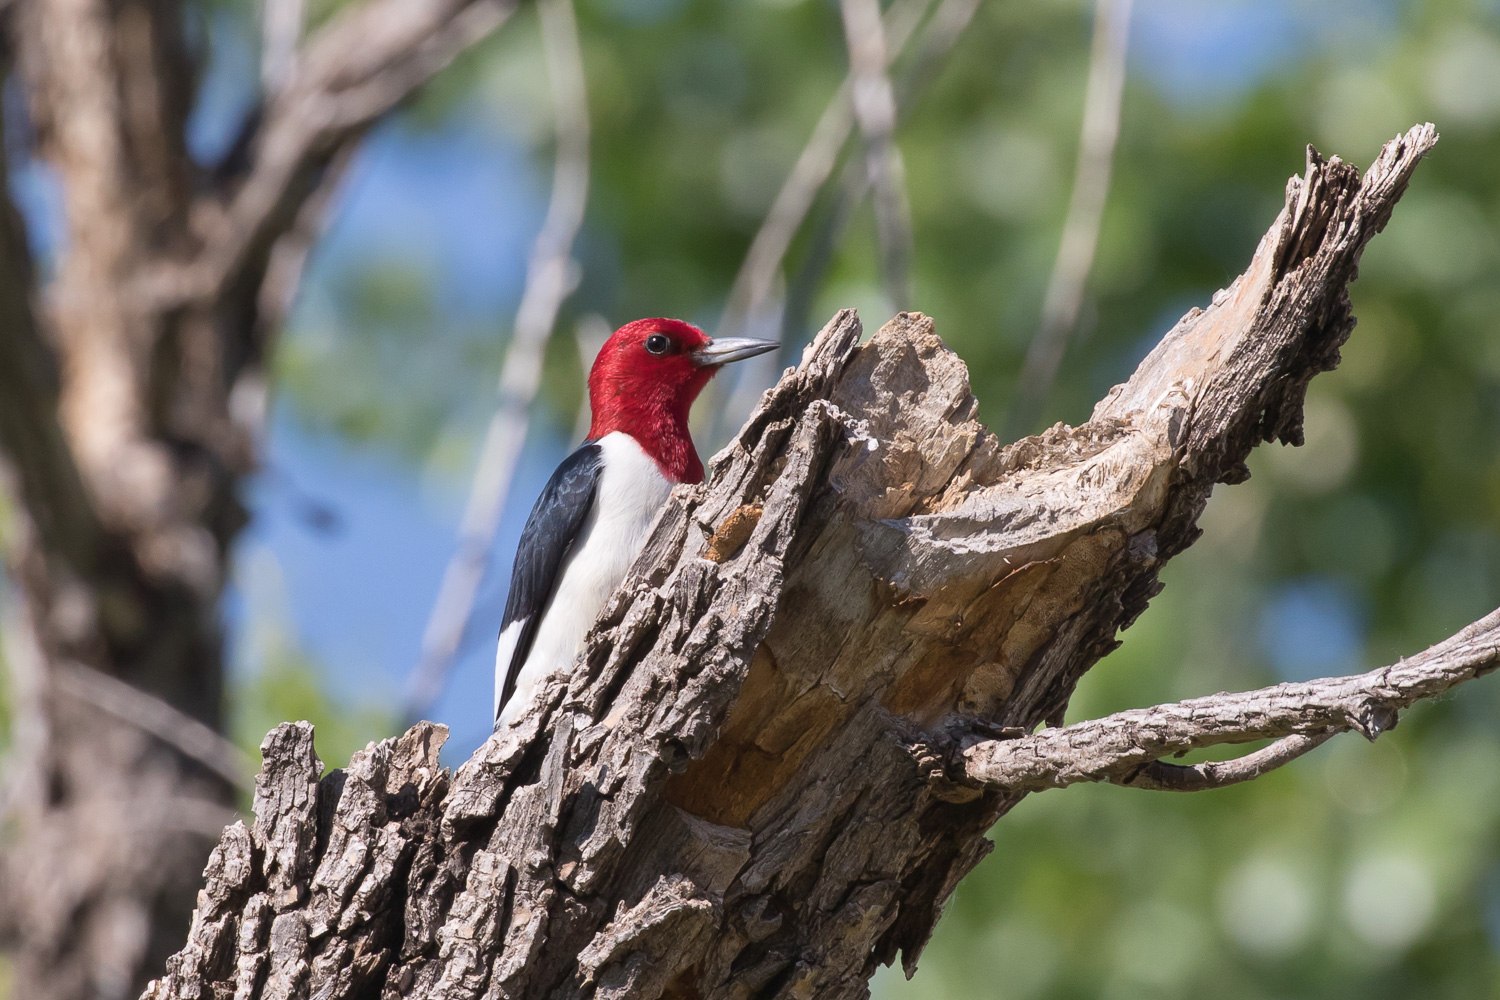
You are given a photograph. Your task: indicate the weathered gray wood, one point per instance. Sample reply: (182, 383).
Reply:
(742, 789)
(1120, 747)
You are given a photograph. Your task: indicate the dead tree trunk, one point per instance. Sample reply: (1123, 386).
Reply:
(131, 403)
(794, 723)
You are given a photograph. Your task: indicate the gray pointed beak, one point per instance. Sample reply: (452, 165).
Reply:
(727, 349)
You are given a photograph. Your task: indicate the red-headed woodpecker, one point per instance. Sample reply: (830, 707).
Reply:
(591, 520)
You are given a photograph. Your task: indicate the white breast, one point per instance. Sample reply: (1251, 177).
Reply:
(631, 491)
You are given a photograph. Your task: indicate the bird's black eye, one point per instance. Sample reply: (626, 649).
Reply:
(658, 343)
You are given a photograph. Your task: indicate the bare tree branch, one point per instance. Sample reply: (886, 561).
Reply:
(1080, 237)
(25, 668)
(281, 23)
(1163, 777)
(1117, 746)
(874, 102)
(941, 32)
(365, 62)
(153, 715)
(814, 165)
(551, 277)
(809, 176)
(282, 278)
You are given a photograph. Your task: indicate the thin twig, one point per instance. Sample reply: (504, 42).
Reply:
(874, 102)
(943, 30)
(281, 24)
(1118, 746)
(286, 265)
(1160, 776)
(22, 774)
(821, 248)
(1098, 136)
(180, 813)
(940, 34)
(551, 277)
(809, 176)
(152, 715)
(814, 165)
(362, 64)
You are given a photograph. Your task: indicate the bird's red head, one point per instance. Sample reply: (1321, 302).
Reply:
(645, 379)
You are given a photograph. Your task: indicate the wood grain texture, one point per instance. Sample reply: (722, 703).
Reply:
(744, 787)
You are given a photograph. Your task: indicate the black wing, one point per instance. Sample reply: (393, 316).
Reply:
(550, 532)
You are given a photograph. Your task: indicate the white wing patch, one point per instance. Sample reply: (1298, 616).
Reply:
(506, 650)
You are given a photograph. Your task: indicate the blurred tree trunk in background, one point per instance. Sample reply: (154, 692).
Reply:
(132, 401)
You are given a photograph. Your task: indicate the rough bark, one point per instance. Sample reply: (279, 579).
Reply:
(745, 787)
(131, 402)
